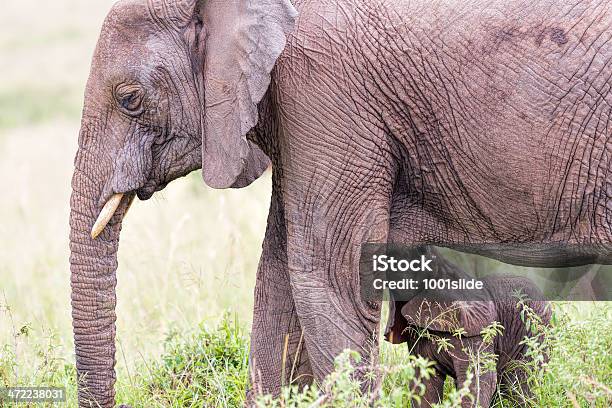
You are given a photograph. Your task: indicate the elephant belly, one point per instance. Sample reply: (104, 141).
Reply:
(411, 224)
(497, 117)
(503, 119)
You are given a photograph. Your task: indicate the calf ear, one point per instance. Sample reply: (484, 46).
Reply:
(244, 38)
(396, 324)
(472, 317)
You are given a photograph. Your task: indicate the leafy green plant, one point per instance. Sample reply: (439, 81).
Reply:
(207, 367)
(402, 384)
(203, 369)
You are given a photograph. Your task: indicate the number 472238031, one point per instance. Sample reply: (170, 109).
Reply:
(32, 394)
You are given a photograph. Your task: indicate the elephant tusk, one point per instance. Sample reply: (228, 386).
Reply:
(106, 214)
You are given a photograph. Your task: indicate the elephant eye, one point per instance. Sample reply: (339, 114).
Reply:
(130, 98)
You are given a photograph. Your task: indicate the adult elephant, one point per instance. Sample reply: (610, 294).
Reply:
(411, 121)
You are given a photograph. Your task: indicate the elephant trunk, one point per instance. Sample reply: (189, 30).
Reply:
(93, 266)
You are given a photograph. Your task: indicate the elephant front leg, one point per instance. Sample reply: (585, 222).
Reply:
(324, 245)
(278, 356)
(483, 382)
(434, 388)
(482, 389)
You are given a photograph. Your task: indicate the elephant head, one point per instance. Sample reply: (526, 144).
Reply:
(174, 87)
(446, 310)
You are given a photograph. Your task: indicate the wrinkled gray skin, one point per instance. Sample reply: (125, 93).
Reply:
(408, 121)
(442, 317)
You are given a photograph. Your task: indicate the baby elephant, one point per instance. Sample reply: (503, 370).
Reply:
(443, 321)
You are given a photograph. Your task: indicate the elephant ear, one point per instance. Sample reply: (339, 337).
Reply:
(472, 316)
(244, 38)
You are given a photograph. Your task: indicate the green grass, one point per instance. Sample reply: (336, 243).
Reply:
(206, 367)
(581, 362)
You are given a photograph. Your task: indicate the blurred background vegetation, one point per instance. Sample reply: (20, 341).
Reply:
(187, 257)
